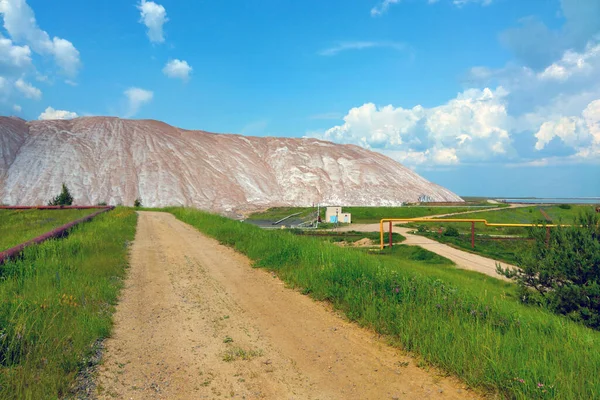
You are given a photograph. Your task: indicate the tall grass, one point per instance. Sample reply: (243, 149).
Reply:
(56, 302)
(487, 339)
(18, 226)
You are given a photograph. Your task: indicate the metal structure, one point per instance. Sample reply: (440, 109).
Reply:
(471, 221)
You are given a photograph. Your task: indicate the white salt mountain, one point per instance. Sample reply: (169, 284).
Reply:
(112, 160)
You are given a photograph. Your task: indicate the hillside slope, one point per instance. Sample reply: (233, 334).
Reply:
(105, 159)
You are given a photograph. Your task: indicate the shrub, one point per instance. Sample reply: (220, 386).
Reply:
(563, 270)
(63, 199)
(137, 203)
(565, 206)
(451, 231)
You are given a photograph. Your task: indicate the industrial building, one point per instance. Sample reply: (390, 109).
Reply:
(335, 215)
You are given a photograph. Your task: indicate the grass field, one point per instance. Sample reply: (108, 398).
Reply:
(502, 250)
(56, 302)
(465, 323)
(523, 215)
(348, 237)
(18, 226)
(495, 248)
(277, 213)
(365, 215)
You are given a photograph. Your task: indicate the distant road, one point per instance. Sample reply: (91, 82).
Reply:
(462, 259)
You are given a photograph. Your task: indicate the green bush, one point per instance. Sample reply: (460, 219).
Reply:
(422, 229)
(451, 231)
(565, 206)
(564, 270)
(137, 203)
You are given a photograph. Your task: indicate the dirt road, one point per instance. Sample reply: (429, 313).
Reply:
(462, 259)
(196, 321)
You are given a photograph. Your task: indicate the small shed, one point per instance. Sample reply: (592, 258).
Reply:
(336, 214)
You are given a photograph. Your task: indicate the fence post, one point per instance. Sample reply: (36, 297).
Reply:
(472, 234)
(391, 241)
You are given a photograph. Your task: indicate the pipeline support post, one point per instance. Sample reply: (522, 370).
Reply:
(548, 236)
(391, 240)
(472, 235)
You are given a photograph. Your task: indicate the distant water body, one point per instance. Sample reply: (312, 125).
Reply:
(566, 200)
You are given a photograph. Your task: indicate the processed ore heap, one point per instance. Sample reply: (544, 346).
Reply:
(112, 160)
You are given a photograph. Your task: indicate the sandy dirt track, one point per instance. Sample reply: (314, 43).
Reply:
(189, 303)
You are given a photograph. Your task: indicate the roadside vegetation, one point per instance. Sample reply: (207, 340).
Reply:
(555, 214)
(468, 324)
(562, 272)
(367, 215)
(347, 236)
(496, 248)
(56, 303)
(18, 226)
(500, 243)
(370, 215)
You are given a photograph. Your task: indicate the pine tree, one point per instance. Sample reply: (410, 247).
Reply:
(562, 272)
(63, 199)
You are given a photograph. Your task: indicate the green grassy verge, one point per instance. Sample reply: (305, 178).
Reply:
(18, 226)
(497, 249)
(522, 215)
(56, 302)
(486, 338)
(349, 236)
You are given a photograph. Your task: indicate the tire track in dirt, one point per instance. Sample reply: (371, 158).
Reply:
(192, 309)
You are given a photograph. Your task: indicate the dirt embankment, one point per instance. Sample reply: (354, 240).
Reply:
(197, 321)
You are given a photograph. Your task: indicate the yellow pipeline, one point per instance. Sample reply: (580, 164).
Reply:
(454, 220)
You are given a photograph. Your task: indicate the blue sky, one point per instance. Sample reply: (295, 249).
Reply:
(486, 97)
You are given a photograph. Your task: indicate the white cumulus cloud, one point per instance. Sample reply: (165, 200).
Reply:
(179, 69)
(28, 90)
(136, 98)
(579, 132)
(20, 23)
(154, 16)
(51, 113)
(13, 59)
(471, 127)
(573, 63)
